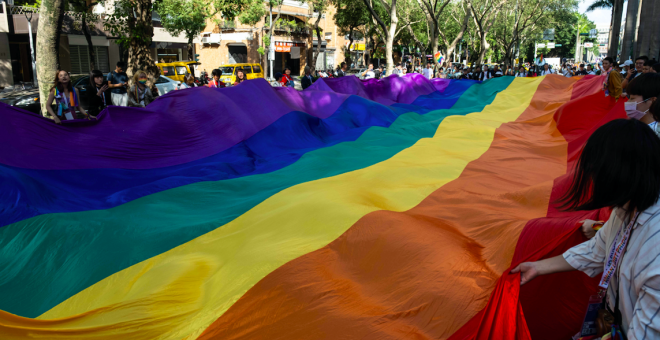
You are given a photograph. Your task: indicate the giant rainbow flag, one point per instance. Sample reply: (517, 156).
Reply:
(389, 209)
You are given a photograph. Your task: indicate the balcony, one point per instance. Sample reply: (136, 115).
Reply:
(227, 25)
(291, 30)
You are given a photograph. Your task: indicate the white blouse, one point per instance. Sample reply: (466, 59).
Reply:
(639, 269)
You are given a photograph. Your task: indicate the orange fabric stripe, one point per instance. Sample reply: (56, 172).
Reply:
(425, 272)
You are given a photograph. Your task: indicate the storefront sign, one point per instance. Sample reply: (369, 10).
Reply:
(285, 46)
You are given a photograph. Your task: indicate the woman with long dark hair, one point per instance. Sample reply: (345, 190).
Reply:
(98, 94)
(66, 98)
(619, 168)
(240, 76)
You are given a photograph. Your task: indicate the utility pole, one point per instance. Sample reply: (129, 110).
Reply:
(271, 51)
(577, 41)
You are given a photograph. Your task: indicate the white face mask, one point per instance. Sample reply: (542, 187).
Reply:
(632, 112)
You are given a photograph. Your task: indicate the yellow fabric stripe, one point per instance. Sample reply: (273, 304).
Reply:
(179, 293)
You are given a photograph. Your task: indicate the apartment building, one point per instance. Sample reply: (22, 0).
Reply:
(227, 42)
(15, 60)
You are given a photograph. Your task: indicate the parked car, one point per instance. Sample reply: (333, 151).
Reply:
(165, 85)
(177, 70)
(29, 99)
(252, 71)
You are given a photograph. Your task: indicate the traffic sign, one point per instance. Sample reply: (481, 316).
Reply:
(551, 45)
(584, 34)
(557, 45)
(540, 45)
(588, 44)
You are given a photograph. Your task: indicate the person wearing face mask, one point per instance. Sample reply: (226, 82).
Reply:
(643, 93)
(612, 85)
(138, 96)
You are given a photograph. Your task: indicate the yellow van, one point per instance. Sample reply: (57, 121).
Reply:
(252, 71)
(178, 69)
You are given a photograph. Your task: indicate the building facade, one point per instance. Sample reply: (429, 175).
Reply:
(228, 42)
(15, 58)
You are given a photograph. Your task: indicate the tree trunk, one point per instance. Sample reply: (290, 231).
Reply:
(90, 46)
(51, 15)
(629, 34)
(319, 43)
(615, 29)
(451, 47)
(191, 52)
(484, 47)
(645, 31)
(434, 47)
(139, 53)
(394, 20)
(654, 44)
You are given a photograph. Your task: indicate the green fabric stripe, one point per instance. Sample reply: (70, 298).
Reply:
(48, 258)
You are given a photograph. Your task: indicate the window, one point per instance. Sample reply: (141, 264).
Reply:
(181, 70)
(227, 70)
(257, 69)
(162, 80)
(246, 69)
(168, 71)
(79, 56)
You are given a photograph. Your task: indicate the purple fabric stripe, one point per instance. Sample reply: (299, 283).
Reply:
(165, 134)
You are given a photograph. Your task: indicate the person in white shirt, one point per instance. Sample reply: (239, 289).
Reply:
(369, 73)
(428, 71)
(546, 70)
(188, 82)
(567, 71)
(522, 72)
(278, 79)
(625, 250)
